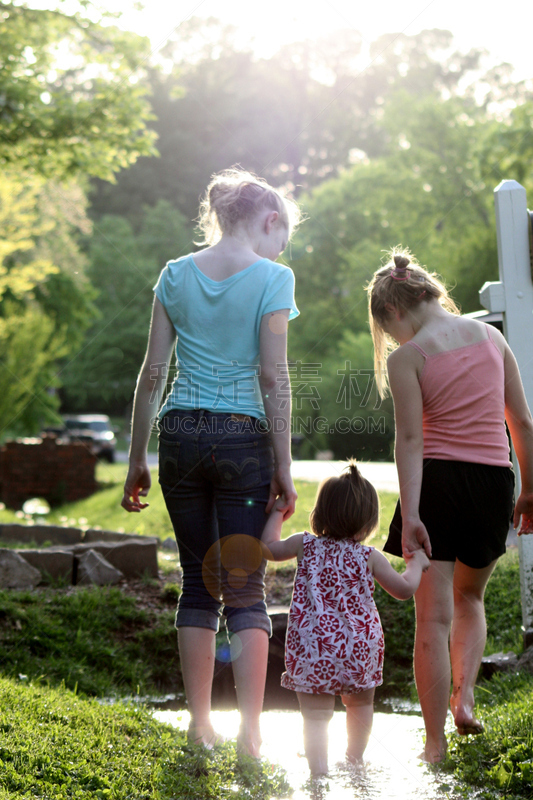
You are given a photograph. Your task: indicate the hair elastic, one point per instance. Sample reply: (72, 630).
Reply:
(400, 274)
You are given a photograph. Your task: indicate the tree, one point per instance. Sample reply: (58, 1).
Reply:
(30, 339)
(71, 99)
(123, 268)
(298, 118)
(71, 105)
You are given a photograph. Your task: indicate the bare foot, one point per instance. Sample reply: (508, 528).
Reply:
(434, 753)
(355, 761)
(204, 735)
(463, 714)
(248, 745)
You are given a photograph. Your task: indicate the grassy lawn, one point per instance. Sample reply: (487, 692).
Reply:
(500, 762)
(55, 745)
(98, 641)
(103, 509)
(60, 646)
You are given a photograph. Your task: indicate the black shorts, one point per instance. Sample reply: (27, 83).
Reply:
(466, 508)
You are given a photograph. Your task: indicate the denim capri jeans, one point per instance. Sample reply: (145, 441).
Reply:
(215, 472)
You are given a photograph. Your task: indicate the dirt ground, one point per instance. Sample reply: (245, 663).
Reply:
(155, 595)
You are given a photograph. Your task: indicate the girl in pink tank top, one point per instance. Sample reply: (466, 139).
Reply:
(455, 383)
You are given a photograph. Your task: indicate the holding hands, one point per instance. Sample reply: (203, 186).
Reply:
(419, 557)
(283, 495)
(414, 537)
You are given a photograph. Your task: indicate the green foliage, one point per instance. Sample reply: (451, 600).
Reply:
(298, 117)
(71, 99)
(44, 305)
(503, 608)
(405, 152)
(71, 105)
(500, 761)
(94, 640)
(27, 370)
(123, 268)
(507, 150)
(55, 745)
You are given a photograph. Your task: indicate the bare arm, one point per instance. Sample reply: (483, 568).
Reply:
(409, 446)
(148, 394)
(401, 586)
(275, 548)
(276, 392)
(520, 423)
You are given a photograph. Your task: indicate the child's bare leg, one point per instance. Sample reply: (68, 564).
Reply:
(317, 711)
(359, 715)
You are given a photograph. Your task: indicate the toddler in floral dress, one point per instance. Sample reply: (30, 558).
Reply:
(334, 642)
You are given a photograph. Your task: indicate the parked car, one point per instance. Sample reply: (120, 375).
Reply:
(94, 430)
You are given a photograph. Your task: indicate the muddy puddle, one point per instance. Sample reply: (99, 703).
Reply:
(392, 770)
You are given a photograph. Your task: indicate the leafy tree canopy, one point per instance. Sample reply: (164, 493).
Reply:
(297, 118)
(44, 301)
(70, 96)
(123, 267)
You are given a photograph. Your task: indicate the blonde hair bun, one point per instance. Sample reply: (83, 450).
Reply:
(236, 196)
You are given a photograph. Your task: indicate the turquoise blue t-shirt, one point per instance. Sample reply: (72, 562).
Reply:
(218, 324)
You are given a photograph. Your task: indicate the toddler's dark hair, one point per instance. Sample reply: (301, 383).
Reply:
(346, 506)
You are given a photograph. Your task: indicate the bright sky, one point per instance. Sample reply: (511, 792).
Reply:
(505, 30)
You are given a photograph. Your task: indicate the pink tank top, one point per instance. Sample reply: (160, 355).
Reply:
(464, 404)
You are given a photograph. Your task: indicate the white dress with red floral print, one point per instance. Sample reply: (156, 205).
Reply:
(334, 639)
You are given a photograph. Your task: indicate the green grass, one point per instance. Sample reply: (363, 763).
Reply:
(501, 760)
(95, 640)
(503, 607)
(103, 509)
(55, 745)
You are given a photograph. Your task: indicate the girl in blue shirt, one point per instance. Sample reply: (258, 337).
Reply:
(224, 432)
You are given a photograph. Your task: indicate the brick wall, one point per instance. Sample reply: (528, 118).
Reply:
(58, 471)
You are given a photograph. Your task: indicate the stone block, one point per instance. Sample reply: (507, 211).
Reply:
(40, 534)
(170, 544)
(133, 557)
(93, 568)
(16, 573)
(525, 662)
(93, 535)
(498, 662)
(56, 562)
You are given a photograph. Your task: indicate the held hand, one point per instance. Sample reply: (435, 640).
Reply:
(282, 489)
(138, 483)
(421, 557)
(414, 537)
(524, 509)
(279, 505)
